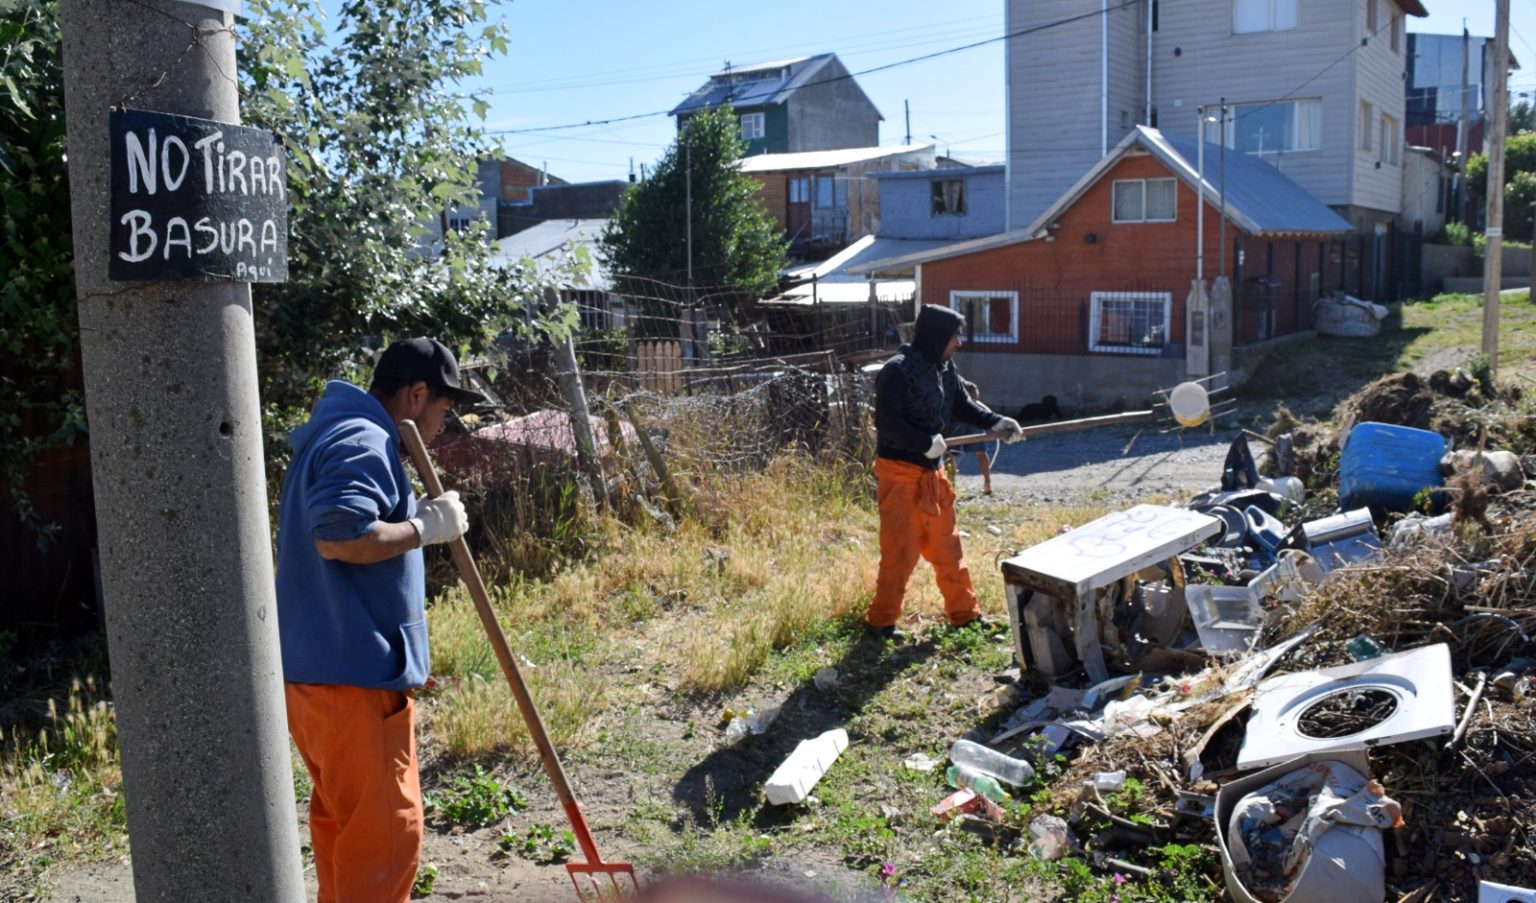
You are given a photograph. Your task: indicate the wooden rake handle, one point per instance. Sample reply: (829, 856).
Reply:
(471, 576)
(1060, 426)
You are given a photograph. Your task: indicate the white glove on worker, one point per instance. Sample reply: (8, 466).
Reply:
(441, 519)
(937, 449)
(1009, 429)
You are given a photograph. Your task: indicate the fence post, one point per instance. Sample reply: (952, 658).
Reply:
(581, 418)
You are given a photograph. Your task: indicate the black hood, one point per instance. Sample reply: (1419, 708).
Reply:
(935, 327)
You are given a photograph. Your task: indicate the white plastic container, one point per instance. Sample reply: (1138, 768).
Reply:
(792, 781)
(986, 760)
(1226, 617)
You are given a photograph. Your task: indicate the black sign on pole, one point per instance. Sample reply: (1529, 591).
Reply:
(195, 200)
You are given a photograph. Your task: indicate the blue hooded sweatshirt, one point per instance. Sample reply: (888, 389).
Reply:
(364, 625)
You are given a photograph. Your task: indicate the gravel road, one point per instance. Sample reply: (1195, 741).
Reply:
(1093, 464)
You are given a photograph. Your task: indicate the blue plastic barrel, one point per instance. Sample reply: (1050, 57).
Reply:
(1386, 466)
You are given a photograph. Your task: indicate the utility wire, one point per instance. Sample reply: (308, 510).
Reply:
(1125, 4)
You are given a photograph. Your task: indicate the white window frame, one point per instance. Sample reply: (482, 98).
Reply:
(1367, 125)
(1312, 107)
(1273, 10)
(1390, 143)
(1371, 18)
(1115, 217)
(1095, 320)
(753, 125)
(973, 331)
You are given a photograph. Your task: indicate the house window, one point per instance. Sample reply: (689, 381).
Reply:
(1371, 19)
(1397, 33)
(1263, 15)
(1129, 322)
(1272, 126)
(799, 190)
(1145, 200)
(989, 316)
(1367, 124)
(752, 126)
(824, 191)
(947, 197)
(1389, 141)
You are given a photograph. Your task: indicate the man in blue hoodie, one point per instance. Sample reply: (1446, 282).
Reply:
(918, 398)
(351, 605)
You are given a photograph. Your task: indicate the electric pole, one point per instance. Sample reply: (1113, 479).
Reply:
(1493, 257)
(906, 107)
(180, 487)
(1461, 124)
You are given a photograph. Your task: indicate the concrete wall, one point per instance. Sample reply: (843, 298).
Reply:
(1425, 183)
(831, 111)
(1439, 262)
(906, 209)
(1011, 380)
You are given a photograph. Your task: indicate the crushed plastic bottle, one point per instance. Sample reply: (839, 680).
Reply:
(988, 761)
(986, 785)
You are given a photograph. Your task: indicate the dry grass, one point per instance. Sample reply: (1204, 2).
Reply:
(61, 782)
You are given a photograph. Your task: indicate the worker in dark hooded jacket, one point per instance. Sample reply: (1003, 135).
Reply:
(918, 397)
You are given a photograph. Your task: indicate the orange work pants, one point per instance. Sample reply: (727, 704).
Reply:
(365, 814)
(917, 517)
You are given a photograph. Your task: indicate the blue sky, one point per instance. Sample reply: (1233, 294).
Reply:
(575, 61)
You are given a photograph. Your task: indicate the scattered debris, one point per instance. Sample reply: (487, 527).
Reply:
(792, 781)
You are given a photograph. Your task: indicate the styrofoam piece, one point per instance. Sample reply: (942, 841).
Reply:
(1346, 866)
(1488, 892)
(1227, 618)
(792, 781)
(1419, 680)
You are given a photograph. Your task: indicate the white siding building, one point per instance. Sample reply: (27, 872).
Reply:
(1314, 87)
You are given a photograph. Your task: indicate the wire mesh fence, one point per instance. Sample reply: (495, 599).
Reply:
(682, 388)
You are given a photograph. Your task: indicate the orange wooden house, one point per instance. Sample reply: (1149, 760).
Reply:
(1087, 302)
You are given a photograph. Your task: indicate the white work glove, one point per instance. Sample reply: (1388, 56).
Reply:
(441, 519)
(1009, 429)
(937, 449)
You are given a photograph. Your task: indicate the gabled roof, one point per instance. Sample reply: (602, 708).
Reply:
(826, 159)
(747, 86)
(1261, 200)
(544, 243)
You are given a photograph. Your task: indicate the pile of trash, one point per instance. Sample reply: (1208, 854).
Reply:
(1324, 674)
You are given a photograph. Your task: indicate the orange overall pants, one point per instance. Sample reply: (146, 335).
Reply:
(917, 517)
(365, 814)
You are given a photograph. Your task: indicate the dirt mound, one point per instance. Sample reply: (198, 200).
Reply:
(1401, 398)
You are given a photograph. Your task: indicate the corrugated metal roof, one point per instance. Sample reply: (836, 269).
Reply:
(828, 159)
(754, 92)
(544, 243)
(941, 172)
(1261, 200)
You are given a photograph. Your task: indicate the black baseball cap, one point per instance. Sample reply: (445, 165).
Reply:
(425, 360)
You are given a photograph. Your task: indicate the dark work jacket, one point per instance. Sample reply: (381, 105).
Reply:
(916, 399)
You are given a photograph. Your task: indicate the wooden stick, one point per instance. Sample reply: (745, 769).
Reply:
(1059, 427)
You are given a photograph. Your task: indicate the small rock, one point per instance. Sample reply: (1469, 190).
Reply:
(994, 529)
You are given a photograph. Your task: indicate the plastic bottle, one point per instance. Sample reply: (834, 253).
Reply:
(988, 761)
(984, 784)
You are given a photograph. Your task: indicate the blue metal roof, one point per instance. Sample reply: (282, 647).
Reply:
(948, 171)
(1266, 196)
(744, 90)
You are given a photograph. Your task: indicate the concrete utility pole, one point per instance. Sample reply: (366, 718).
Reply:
(181, 503)
(1461, 124)
(1493, 257)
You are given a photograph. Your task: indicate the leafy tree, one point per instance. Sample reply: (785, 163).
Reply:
(735, 245)
(40, 403)
(1519, 184)
(1522, 118)
(379, 142)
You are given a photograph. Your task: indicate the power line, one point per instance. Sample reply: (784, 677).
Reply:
(1125, 4)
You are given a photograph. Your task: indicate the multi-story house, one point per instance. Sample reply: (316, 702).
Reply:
(1313, 87)
(788, 106)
